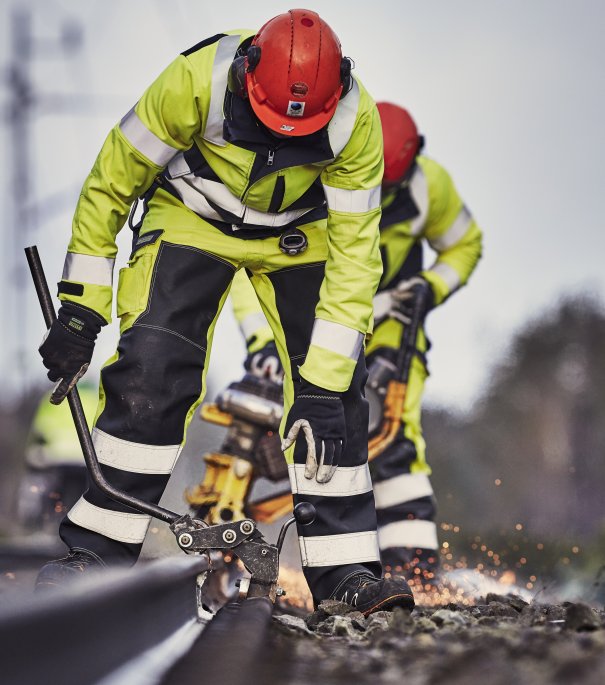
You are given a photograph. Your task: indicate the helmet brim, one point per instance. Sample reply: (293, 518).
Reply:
(287, 125)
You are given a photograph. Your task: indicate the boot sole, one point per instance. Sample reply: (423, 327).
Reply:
(390, 603)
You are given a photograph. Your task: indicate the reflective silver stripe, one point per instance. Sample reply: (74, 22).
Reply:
(178, 166)
(342, 124)
(337, 338)
(346, 481)
(116, 525)
(335, 550)
(420, 194)
(403, 488)
(352, 201)
(252, 323)
(225, 52)
(85, 268)
(146, 142)
(455, 232)
(133, 456)
(196, 193)
(415, 534)
(448, 273)
(382, 304)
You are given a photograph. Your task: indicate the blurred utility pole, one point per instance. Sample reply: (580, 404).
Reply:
(25, 104)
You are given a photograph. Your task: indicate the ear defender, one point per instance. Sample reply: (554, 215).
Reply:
(236, 80)
(346, 66)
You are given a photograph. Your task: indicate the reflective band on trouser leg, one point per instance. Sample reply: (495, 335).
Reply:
(346, 481)
(145, 141)
(84, 268)
(414, 534)
(117, 525)
(132, 456)
(334, 550)
(400, 489)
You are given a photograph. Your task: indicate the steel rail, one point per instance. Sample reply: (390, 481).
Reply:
(82, 634)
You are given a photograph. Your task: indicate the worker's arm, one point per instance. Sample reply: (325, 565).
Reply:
(161, 124)
(451, 231)
(353, 268)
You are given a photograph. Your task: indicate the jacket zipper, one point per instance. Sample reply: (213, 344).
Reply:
(251, 181)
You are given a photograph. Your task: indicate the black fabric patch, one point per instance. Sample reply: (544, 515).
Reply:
(111, 551)
(296, 296)
(203, 44)
(339, 515)
(158, 373)
(412, 266)
(66, 288)
(278, 194)
(186, 288)
(395, 460)
(403, 208)
(423, 509)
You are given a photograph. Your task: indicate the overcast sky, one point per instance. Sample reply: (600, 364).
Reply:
(510, 96)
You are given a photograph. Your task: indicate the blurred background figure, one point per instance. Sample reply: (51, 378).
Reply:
(54, 473)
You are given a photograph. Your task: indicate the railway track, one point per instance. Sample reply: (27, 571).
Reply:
(150, 624)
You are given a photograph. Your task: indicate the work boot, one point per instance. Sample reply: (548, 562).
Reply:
(369, 594)
(61, 572)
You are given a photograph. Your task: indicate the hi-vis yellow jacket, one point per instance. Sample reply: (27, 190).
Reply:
(185, 134)
(427, 209)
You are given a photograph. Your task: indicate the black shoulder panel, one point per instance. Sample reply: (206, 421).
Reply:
(204, 44)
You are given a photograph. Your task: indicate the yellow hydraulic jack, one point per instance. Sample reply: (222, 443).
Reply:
(251, 410)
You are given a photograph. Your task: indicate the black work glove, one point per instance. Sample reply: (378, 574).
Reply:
(67, 347)
(265, 363)
(407, 296)
(320, 415)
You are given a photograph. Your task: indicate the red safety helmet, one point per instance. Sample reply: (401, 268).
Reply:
(296, 82)
(401, 141)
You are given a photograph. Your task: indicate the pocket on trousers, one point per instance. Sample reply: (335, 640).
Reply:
(132, 282)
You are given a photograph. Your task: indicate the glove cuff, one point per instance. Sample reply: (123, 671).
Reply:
(310, 390)
(80, 321)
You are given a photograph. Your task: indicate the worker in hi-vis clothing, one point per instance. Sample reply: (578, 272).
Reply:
(419, 205)
(257, 151)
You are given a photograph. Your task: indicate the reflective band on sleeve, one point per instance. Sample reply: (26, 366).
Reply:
(342, 123)
(225, 52)
(455, 232)
(85, 268)
(415, 534)
(116, 525)
(252, 323)
(337, 338)
(352, 201)
(132, 456)
(146, 142)
(346, 481)
(448, 273)
(419, 190)
(382, 304)
(337, 550)
(403, 488)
